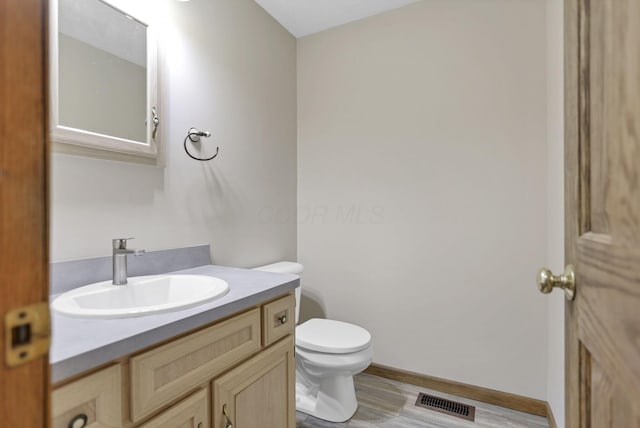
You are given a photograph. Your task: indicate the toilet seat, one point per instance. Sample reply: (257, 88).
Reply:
(336, 362)
(331, 337)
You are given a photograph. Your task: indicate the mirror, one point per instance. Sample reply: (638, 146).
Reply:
(103, 79)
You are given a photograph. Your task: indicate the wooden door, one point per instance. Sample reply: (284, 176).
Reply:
(602, 161)
(23, 200)
(259, 392)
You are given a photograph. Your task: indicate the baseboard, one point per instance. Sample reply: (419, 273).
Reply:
(551, 418)
(490, 396)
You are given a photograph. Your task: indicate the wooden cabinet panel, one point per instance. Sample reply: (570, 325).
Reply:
(278, 319)
(260, 392)
(165, 373)
(175, 385)
(193, 412)
(95, 398)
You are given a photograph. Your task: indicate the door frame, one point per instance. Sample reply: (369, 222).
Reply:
(573, 110)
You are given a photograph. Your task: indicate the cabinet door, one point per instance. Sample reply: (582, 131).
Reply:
(258, 393)
(192, 412)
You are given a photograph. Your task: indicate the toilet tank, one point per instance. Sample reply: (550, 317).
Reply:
(287, 267)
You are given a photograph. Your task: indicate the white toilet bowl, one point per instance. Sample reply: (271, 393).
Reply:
(324, 374)
(328, 354)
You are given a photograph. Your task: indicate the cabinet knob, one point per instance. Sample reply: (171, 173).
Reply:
(78, 421)
(283, 319)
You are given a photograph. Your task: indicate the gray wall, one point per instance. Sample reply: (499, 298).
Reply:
(422, 189)
(555, 200)
(229, 68)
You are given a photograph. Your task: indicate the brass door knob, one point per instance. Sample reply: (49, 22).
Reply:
(547, 281)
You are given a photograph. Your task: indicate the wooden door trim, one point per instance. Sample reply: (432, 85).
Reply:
(24, 389)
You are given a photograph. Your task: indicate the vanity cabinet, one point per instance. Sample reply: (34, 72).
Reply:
(243, 364)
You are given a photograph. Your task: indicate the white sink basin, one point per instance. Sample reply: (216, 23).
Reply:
(143, 295)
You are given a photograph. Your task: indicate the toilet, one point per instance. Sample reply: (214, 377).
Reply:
(328, 354)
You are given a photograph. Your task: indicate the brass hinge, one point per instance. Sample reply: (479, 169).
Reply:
(27, 333)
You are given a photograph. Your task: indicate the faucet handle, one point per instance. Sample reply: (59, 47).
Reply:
(120, 243)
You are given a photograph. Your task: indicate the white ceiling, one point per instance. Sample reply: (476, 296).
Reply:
(304, 17)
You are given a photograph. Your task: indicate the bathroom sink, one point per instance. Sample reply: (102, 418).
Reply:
(143, 295)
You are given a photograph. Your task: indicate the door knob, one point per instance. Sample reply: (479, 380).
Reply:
(547, 281)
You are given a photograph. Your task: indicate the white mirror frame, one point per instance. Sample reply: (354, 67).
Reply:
(92, 140)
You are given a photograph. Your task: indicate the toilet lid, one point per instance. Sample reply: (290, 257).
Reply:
(332, 337)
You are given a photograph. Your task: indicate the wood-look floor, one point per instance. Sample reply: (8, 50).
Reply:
(391, 404)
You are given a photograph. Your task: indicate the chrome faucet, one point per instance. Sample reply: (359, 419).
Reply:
(120, 252)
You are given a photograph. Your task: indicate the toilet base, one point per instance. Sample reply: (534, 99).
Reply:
(333, 399)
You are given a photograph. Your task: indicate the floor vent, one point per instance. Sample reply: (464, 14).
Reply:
(447, 407)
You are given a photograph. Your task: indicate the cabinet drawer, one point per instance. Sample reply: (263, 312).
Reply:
(278, 319)
(190, 412)
(95, 399)
(169, 371)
